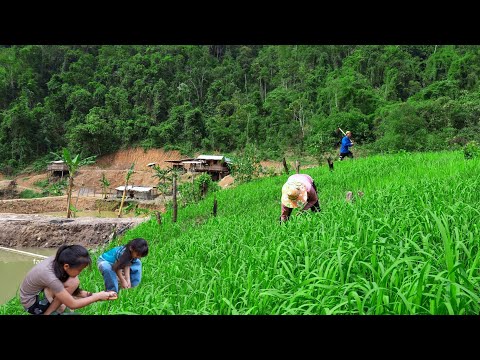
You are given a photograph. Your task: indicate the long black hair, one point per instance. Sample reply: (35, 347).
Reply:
(73, 255)
(138, 245)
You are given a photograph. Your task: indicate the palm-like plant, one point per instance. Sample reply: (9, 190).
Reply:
(127, 178)
(162, 178)
(175, 175)
(73, 163)
(105, 184)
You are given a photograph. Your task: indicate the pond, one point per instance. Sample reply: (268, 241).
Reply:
(13, 268)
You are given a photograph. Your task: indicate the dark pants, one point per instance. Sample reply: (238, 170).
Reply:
(316, 206)
(40, 306)
(347, 154)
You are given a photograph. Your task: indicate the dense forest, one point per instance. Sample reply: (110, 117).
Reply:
(98, 99)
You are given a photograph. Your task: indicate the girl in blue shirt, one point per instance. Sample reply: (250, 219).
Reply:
(122, 263)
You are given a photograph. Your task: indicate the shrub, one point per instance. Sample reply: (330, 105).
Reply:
(30, 194)
(471, 150)
(246, 166)
(192, 193)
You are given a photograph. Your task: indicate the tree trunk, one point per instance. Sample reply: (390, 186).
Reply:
(76, 201)
(69, 196)
(285, 167)
(330, 164)
(123, 199)
(215, 205)
(261, 90)
(174, 199)
(297, 166)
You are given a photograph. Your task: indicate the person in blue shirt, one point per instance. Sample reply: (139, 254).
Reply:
(345, 147)
(122, 263)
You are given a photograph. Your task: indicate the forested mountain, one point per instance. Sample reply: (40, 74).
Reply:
(98, 99)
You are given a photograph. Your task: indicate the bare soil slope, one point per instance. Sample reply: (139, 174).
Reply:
(50, 232)
(22, 225)
(45, 205)
(27, 228)
(123, 159)
(115, 167)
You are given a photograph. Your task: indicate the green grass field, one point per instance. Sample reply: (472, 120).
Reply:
(408, 246)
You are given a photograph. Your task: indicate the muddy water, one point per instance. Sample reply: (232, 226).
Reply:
(14, 267)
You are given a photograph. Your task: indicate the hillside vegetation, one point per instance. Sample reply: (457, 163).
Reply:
(97, 99)
(409, 245)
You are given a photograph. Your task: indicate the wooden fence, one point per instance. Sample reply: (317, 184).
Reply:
(98, 192)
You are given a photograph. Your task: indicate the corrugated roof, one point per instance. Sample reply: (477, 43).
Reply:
(211, 157)
(178, 161)
(135, 188)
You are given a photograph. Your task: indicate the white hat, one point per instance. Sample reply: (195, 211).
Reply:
(294, 193)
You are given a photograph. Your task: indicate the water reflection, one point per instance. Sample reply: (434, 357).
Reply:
(14, 267)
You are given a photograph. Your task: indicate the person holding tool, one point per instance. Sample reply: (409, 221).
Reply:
(345, 146)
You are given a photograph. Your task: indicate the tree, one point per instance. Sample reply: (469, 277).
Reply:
(105, 184)
(175, 175)
(73, 163)
(401, 129)
(161, 175)
(127, 178)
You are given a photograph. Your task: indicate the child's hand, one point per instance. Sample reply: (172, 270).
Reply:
(105, 295)
(112, 295)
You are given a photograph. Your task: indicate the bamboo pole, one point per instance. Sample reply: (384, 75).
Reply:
(23, 252)
(285, 167)
(174, 198)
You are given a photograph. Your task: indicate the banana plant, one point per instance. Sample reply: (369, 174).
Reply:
(73, 163)
(127, 178)
(161, 175)
(105, 184)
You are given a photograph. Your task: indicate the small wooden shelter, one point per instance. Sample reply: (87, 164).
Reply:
(217, 166)
(178, 164)
(137, 192)
(58, 169)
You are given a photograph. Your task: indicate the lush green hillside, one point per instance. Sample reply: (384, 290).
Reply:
(408, 246)
(203, 98)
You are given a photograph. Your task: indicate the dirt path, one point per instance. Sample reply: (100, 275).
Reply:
(44, 205)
